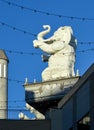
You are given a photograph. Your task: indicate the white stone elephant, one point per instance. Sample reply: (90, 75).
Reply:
(61, 47)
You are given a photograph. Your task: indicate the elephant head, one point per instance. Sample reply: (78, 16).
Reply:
(63, 33)
(62, 37)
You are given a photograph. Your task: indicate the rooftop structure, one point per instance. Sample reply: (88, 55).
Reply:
(59, 77)
(75, 111)
(3, 85)
(3, 55)
(45, 95)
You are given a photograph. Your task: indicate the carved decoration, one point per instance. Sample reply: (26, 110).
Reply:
(61, 47)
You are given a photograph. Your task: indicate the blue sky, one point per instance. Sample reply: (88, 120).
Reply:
(21, 20)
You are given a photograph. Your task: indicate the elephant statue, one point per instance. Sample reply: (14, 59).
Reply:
(61, 47)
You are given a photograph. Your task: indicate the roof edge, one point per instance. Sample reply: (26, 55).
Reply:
(3, 55)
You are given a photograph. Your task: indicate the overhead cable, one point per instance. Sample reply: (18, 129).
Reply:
(17, 29)
(14, 28)
(13, 109)
(13, 101)
(23, 53)
(33, 53)
(46, 13)
(12, 80)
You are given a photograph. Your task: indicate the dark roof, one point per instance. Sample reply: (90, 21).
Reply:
(3, 55)
(81, 81)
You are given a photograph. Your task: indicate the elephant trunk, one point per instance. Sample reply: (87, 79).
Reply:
(43, 33)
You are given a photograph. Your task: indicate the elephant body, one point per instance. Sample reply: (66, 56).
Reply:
(61, 47)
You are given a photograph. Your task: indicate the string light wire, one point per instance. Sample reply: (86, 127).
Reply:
(46, 13)
(12, 80)
(32, 34)
(33, 53)
(16, 29)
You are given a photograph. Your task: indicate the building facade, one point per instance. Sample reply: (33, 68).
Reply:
(67, 103)
(75, 111)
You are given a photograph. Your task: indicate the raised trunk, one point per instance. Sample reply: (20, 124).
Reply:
(43, 33)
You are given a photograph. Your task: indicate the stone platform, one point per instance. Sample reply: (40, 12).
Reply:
(41, 91)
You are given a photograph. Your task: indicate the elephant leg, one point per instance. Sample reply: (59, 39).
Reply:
(46, 75)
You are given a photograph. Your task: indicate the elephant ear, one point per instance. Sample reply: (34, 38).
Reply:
(67, 34)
